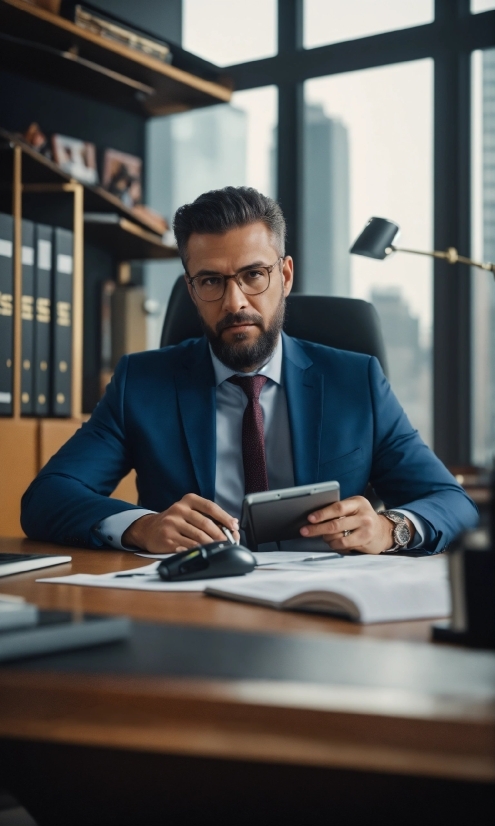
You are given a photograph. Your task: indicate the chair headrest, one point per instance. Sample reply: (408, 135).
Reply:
(346, 323)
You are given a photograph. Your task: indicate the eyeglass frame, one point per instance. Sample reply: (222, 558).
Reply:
(192, 279)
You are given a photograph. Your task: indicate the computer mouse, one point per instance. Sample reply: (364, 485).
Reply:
(206, 562)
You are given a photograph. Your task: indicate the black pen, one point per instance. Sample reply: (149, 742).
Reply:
(117, 576)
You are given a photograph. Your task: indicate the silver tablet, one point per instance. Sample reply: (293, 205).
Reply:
(275, 515)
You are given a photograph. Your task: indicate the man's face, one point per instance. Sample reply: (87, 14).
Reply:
(243, 329)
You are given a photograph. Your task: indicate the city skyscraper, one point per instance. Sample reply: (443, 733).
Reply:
(483, 288)
(188, 154)
(408, 361)
(326, 233)
(192, 153)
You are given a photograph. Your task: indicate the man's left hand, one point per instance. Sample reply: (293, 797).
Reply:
(370, 532)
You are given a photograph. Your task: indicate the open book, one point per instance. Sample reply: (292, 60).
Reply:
(364, 589)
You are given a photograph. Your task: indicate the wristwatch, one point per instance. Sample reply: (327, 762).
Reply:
(400, 533)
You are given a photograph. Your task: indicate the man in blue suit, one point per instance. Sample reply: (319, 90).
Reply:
(244, 408)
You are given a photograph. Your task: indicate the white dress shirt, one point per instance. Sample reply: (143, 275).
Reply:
(231, 402)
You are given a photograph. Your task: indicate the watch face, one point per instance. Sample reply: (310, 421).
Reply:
(402, 533)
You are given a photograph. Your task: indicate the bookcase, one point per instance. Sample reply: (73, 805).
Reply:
(31, 185)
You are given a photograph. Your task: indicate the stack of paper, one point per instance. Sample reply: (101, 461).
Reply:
(363, 588)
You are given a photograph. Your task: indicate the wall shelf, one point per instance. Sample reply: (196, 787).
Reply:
(38, 171)
(37, 43)
(127, 241)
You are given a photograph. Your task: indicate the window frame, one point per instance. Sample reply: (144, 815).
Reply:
(449, 40)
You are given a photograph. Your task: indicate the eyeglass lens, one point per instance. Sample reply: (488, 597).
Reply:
(212, 287)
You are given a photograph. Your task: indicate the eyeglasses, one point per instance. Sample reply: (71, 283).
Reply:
(251, 280)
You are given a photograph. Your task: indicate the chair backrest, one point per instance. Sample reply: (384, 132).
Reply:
(345, 323)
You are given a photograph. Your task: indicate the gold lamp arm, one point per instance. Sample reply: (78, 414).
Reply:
(451, 256)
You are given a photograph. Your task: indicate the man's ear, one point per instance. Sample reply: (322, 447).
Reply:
(288, 274)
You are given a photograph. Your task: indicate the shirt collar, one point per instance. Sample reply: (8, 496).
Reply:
(272, 369)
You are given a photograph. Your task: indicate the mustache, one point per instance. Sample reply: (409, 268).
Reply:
(239, 318)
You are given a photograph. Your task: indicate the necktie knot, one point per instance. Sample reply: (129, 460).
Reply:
(251, 385)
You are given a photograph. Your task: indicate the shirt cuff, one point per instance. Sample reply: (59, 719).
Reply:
(111, 530)
(419, 524)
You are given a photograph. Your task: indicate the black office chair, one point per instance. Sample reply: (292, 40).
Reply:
(346, 323)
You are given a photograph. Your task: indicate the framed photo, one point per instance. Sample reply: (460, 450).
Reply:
(77, 158)
(38, 140)
(122, 176)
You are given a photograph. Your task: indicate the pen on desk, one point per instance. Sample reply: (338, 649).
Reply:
(319, 558)
(130, 574)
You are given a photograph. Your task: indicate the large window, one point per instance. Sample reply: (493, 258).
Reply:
(483, 248)
(369, 152)
(191, 153)
(331, 21)
(373, 116)
(230, 31)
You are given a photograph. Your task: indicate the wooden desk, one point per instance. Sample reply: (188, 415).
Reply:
(307, 738)
(173, 607)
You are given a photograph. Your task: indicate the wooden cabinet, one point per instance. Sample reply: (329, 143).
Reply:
(25, 446)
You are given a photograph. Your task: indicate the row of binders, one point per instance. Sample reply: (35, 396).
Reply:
(46, 312)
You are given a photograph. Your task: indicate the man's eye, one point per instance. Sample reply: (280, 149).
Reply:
(210, 281)
(252, 275)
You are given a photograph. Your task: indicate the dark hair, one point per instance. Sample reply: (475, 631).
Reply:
(218, 211)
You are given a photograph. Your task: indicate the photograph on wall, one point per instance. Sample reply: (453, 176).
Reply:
(37, 140)
(76, 157)
(122, 176)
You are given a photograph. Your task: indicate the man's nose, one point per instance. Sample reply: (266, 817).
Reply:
(234, 299)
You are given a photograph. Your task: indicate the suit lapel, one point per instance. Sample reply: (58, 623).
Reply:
(304, 390)
(195, 384)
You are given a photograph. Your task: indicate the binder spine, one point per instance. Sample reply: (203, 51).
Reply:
(42, 320)
(27, 316)
(62, 322)
(6, 313)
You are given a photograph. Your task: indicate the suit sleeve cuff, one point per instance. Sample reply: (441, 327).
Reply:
(111, 530)
(419, 524)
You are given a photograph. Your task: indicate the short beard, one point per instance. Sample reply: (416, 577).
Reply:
(237, 356)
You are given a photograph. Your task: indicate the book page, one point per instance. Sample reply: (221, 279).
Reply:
(383, 589)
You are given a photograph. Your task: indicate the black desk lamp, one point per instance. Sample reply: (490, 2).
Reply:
(376, 241)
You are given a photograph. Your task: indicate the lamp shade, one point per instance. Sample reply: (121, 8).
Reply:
(375, 239)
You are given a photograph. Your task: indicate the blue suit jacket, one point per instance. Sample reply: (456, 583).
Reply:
(158, 416)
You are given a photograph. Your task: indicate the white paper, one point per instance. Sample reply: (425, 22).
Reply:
(304, 561)
(150, 582)
(286, 560)
(267, 557)
(311, 563)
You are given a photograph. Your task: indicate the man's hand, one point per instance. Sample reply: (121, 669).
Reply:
(370, 532)
(191, 521)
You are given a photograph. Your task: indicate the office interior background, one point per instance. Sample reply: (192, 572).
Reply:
(344, 111)
(341, 111)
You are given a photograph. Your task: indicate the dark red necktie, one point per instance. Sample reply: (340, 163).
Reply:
(253, 436)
